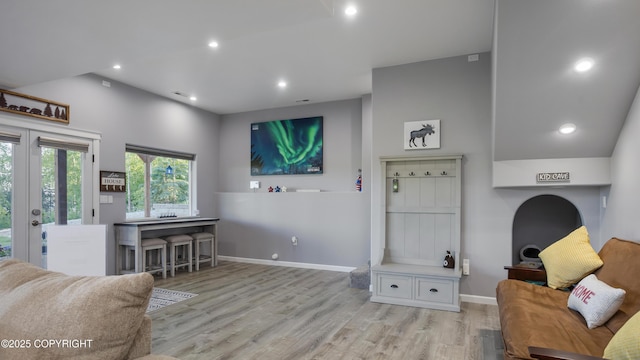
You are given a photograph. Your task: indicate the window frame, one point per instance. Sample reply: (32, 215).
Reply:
(192, 192)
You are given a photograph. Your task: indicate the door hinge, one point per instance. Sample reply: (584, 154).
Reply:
(93, 212)
(93, 158)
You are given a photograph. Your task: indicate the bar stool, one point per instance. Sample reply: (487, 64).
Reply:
(125, 266)
(150, 245)
(198, 240)
(175, 241)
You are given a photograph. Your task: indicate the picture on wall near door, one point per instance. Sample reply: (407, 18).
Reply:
(423, 134)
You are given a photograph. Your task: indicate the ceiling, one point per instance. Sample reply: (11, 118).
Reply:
(537, 89)
(324, 55)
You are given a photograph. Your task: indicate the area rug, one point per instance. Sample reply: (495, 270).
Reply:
(164, 297)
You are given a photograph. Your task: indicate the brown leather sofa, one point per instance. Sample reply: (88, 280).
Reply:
(536, 322)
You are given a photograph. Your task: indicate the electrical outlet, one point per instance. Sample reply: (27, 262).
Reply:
(465, 267)
(254, 185)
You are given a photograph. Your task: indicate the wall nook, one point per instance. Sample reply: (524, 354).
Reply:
(542, 220)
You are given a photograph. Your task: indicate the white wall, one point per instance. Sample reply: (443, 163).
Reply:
(123, 114)
(620, 218)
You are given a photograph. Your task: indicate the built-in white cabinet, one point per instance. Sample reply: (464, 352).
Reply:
(421, 201)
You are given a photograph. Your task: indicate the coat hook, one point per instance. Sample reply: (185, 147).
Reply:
(443, 173)
(412, 174)
(428, 173)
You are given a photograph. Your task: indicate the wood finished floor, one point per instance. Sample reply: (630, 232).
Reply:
(248, 311)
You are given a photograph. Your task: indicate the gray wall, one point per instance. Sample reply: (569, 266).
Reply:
(459, 94)
(332, 225)
(620, 218)
(123, 114)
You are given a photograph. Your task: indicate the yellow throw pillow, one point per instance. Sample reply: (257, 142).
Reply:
(625, 344)
(569, 259)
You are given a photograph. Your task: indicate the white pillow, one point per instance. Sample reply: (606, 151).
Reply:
(595, 300)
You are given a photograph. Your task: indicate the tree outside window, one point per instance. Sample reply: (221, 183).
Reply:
(152, 190)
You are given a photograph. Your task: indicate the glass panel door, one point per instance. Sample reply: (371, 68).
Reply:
(6, 198)
(60, 187)
(61, 180)
(13, 156)
(45, 178)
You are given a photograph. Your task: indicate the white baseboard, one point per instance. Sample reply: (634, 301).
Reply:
(287, 264)
(478, 299)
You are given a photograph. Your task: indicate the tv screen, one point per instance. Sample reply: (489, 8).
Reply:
(287, 147)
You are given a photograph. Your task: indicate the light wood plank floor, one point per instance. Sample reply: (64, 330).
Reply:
(248, 311)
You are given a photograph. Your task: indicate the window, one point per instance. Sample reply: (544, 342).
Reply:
(159, 183)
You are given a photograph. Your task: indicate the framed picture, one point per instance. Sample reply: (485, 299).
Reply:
(36, 107)
(287, 147)
(420, 135)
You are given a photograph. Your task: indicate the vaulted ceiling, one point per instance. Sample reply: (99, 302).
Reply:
(323, 55)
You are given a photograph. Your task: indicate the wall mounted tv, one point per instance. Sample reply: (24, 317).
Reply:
(287, 147)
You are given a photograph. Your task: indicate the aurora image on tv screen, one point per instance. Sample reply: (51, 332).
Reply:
(287, 147)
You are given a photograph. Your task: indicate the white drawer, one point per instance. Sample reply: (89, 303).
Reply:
(394, 286)
(434, 290)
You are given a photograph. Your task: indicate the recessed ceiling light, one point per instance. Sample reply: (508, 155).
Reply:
(351, 10)
(584, 65)
(193, 98)
(282, 84)
(214, 44)
(117, 66)
(567, 128)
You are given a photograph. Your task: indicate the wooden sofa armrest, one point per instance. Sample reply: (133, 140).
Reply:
(552, 354)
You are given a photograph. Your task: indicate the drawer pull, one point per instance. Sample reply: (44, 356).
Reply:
(394, 286)
(433, 290)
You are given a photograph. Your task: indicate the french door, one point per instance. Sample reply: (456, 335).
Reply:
(46, 177)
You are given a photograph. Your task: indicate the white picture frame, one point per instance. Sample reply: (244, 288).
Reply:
(420, 135)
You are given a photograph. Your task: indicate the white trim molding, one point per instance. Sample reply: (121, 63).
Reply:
(478, 299)
(287, 264)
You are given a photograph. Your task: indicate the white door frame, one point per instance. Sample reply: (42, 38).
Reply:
(24, 200)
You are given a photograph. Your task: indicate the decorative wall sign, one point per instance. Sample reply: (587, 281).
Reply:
(113, 181)
(553, 177)
(422, 135)
(22, 104)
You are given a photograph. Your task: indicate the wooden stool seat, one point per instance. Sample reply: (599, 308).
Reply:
(199, 239)
(150, 245)
(175, 241)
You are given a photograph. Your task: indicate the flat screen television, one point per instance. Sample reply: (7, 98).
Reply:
(287, 147)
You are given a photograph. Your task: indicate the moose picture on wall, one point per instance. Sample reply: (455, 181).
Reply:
(422, 135)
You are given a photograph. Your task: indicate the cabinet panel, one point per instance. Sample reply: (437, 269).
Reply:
(396, 168)
(411, 192)
(444, 192)
(412, 235)
(444, 233)
(394, 286)
(433, 290)
(427, 237)
(395, 234)
(428, 192)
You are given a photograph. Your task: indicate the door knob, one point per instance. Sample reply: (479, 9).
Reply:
(35, 223)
